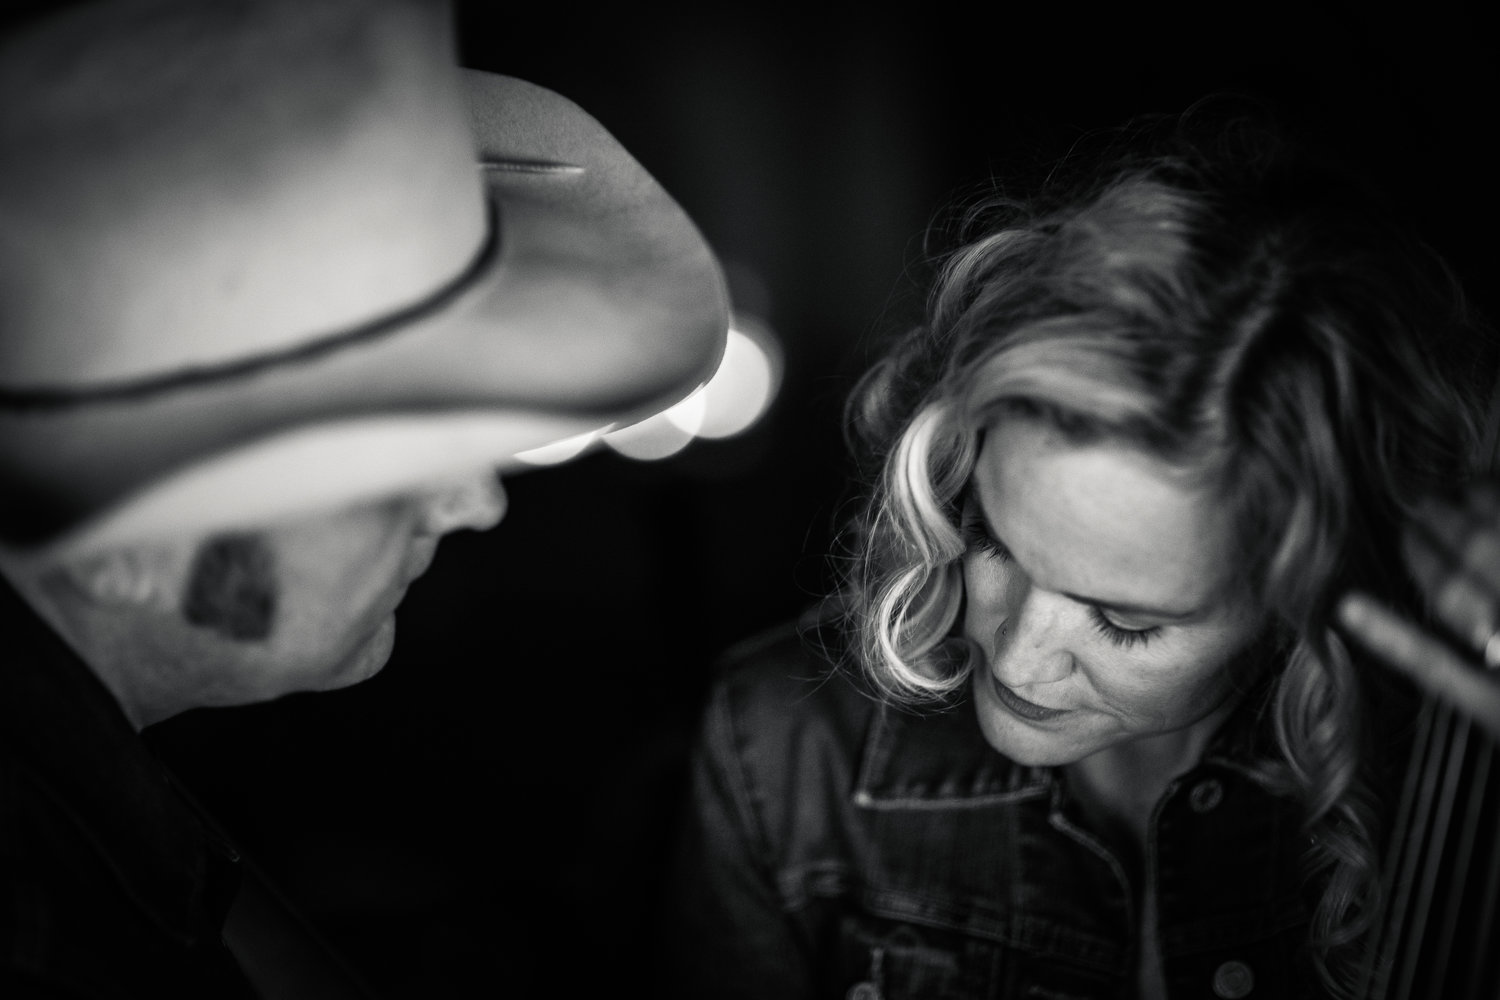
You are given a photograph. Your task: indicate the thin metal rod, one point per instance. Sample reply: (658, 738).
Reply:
(1412, 838)
(1432, 859)
(1482, 929)
(1374, 975)
(1460, 877)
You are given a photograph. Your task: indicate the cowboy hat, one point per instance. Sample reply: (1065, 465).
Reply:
(249, 267)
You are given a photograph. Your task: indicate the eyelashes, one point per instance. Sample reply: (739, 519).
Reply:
(977, 538)
(1125, 638)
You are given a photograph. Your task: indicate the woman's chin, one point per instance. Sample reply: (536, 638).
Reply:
(1051, 742)
(1029, 752)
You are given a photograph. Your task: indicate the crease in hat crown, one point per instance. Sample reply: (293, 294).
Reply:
(230, 226)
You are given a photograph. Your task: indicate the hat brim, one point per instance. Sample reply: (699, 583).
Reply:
(597, 303)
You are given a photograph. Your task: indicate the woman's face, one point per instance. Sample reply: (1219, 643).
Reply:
(1102, 592)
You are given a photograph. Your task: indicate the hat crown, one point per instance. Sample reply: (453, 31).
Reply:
(247, 270)
(202, 184)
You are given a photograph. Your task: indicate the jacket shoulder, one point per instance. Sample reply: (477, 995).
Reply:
(789, 690)
(781, 749)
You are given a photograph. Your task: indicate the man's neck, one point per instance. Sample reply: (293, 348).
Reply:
(103, 639)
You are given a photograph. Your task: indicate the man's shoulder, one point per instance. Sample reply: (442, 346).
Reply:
(77, 918)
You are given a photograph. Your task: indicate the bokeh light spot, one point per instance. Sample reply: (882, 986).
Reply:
(654, 438)
(747, 380)
(737, 395)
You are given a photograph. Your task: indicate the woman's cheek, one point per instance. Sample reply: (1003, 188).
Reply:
(984, 599)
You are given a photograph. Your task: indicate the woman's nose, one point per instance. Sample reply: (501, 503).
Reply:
(1031, 645)
(476, 502)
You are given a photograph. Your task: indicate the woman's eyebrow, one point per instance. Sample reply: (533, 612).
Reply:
(1124, 608)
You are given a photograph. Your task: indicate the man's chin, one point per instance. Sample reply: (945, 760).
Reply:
(366, 659)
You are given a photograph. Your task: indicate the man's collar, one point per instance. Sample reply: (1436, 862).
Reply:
(60, 723)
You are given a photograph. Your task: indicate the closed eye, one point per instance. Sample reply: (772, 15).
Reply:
(977, 537)
(1119, 634)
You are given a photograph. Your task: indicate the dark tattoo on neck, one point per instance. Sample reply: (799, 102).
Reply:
(231, 588)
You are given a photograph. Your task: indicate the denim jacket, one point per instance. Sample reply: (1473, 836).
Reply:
(840, 847)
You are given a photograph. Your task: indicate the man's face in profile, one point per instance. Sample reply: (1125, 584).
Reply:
(308, 604)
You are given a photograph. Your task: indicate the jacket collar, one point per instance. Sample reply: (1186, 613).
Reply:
(938, 758)
(62, 726)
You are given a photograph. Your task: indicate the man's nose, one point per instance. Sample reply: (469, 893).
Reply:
(476, 502)
(1031, 645)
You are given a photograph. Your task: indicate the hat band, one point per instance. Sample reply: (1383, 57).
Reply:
(52, 399)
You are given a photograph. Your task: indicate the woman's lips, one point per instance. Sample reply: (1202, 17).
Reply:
(1028, 710)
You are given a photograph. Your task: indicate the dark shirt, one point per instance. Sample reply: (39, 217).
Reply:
(111, 883)
(840, 847)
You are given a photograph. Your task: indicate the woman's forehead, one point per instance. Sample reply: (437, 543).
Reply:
(1102, 520)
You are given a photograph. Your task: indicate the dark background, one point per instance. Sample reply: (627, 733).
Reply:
(491, 815)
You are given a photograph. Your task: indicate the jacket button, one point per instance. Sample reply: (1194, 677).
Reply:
(1233, 980)
(1206, 795)
(863, 991)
